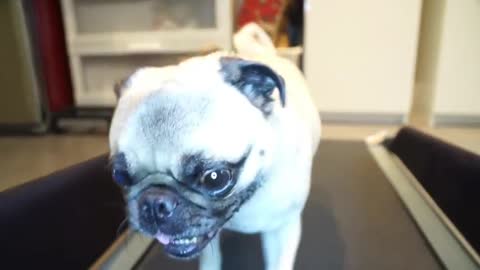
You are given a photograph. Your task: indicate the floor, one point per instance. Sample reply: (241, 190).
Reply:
(466, 137)
(26, 158)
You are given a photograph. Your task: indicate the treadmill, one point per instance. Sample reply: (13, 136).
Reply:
(390, 202)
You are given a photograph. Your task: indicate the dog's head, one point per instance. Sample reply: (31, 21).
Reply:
(191, 143)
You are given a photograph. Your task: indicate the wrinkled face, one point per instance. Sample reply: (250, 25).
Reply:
(189, 149)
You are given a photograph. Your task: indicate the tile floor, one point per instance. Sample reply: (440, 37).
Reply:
(25, 158)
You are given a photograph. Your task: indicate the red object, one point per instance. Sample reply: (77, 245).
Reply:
(53, 54)
(265, 11)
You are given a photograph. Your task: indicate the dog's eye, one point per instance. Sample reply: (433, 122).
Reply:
(122, 177)
(218, 182)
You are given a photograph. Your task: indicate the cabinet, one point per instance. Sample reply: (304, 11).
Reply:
(108, 39)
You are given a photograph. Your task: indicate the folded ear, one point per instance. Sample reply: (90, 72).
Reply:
(122, 85)
(255, 80)
(119, 88)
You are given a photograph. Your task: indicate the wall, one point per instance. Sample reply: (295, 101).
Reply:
(457, 85)
(360, 55)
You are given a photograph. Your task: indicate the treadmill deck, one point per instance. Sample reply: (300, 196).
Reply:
(354, 219)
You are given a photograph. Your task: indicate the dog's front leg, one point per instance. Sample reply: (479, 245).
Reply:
(211, 257)
(280, 245)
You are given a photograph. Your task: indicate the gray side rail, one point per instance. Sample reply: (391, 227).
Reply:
(446, 240)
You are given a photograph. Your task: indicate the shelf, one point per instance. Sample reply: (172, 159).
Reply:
(148, 42)
(109, 39)
(97, 75)
(93, 16)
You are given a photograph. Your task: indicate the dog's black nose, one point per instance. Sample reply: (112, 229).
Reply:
(164, 206)
(156, 204)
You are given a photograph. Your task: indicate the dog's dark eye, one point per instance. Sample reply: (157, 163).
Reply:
(122, 177)
(218, 182)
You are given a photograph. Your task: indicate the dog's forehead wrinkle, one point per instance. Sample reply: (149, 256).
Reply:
(168, 124)
(164, 117)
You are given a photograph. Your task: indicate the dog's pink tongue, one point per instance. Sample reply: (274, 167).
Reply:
(163, 238)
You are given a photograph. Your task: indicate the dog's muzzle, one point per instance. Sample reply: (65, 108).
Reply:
(156, 206)
(182, 227)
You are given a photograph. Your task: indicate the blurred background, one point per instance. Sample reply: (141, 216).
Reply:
(371, 65)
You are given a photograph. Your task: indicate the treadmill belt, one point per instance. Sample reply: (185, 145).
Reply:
(353, 220)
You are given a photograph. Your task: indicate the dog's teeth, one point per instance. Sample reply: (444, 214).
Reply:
(185, 241)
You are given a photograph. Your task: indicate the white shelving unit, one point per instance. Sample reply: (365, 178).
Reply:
(109, 39)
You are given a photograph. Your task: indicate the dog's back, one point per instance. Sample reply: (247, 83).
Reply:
(298, 128)
(253, 43)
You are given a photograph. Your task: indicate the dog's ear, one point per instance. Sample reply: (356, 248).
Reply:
(119, 88)
(255, 80)
(121, 85)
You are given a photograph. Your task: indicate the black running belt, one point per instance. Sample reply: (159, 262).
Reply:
(353, 220)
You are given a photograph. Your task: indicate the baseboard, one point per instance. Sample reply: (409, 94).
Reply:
(363, 118)
(443, 120)
(26, 129)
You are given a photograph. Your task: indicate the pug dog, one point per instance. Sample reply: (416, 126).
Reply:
(222, 141)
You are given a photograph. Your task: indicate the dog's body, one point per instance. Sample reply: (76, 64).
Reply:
(201, 146)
